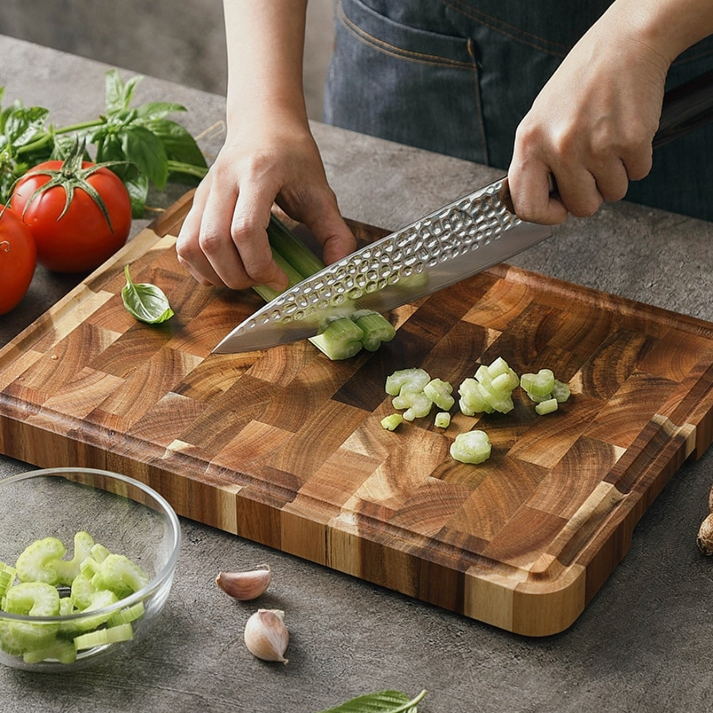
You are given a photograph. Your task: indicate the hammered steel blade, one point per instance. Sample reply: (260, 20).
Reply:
(456, 241)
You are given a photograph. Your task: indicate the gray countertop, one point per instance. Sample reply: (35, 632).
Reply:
(644, 642)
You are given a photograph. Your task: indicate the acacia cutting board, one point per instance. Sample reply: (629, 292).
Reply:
(285, 448)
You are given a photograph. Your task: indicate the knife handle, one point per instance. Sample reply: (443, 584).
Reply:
(685, 108)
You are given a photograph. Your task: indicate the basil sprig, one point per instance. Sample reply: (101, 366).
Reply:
(144, 301)
(149, 149)
(381, 702)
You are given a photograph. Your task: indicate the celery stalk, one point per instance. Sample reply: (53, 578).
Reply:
(299, 262)
(292, 249)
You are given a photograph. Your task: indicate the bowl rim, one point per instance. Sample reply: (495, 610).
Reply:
(159, 578)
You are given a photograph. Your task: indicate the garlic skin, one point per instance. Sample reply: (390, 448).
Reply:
(266, 635)
(704, 541)
(245, 586)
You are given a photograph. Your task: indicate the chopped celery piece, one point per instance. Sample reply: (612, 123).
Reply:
(465, 408)
(415, 403)
(504, 383)
(67, 570)
(540, 384)
(546, 407)
(498, 368)
(120, 575)
(101, 637)
(443, 419)
(33, 564)
(391, 422)
(102, 598)
(561, 391)
(410, 379)
(474, 399)
(340, 340)
(7, 577)
(375, 328)
(17, 638)
(61, 650)
(89, 567)
(471, 447)
(439, 392)
(82, 591)
(126, 616)
(99, 552)
(33, 598)
(419, 407)
(490, 390)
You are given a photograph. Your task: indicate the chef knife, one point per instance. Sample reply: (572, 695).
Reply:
(461, 239)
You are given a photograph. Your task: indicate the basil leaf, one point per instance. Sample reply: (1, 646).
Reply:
(138, 186)
(21, 124)
(178, 142)
(144, 149)
(118, 95)
(157, 110)
(382, 702)
(145, 302)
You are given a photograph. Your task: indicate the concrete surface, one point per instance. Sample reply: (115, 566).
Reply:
(181, 42)
(643, 644)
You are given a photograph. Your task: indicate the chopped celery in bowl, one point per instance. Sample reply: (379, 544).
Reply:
(87, 560)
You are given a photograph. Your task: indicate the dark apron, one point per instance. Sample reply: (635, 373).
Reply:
(458, 76)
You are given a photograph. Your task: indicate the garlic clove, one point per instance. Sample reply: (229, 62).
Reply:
(266, 635)
(704, 541)
(245, 585)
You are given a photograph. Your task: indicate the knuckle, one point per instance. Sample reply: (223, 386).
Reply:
(209, 241)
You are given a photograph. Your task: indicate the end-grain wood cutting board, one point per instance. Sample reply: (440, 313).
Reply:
(285, 447)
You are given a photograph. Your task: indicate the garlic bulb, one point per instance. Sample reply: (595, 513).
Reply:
(245, 585)
(266, 635)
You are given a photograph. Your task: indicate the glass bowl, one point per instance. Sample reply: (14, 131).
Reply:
(121, 517)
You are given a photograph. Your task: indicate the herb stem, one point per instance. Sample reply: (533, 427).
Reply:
(46, 137)
(411, 703)
(187, 168)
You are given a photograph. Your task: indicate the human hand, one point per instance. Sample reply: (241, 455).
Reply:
(590, 128)
(223, 240)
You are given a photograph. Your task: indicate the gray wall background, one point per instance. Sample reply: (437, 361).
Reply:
(178, 40)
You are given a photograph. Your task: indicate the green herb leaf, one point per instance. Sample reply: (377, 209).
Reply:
(157, 110)
(147, 152)
(382, 702)
(145, 302)
(177, 141)
(140, 137)
(118, 95)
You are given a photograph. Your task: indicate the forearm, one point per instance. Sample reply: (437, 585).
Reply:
(662, 27)
(265, 47)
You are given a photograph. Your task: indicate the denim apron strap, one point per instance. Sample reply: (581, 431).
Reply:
(457, 76)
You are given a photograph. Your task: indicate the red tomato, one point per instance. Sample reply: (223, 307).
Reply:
(82, 238)
(18, 257)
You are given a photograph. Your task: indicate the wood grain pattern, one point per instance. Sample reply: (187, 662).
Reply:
(285, 447)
